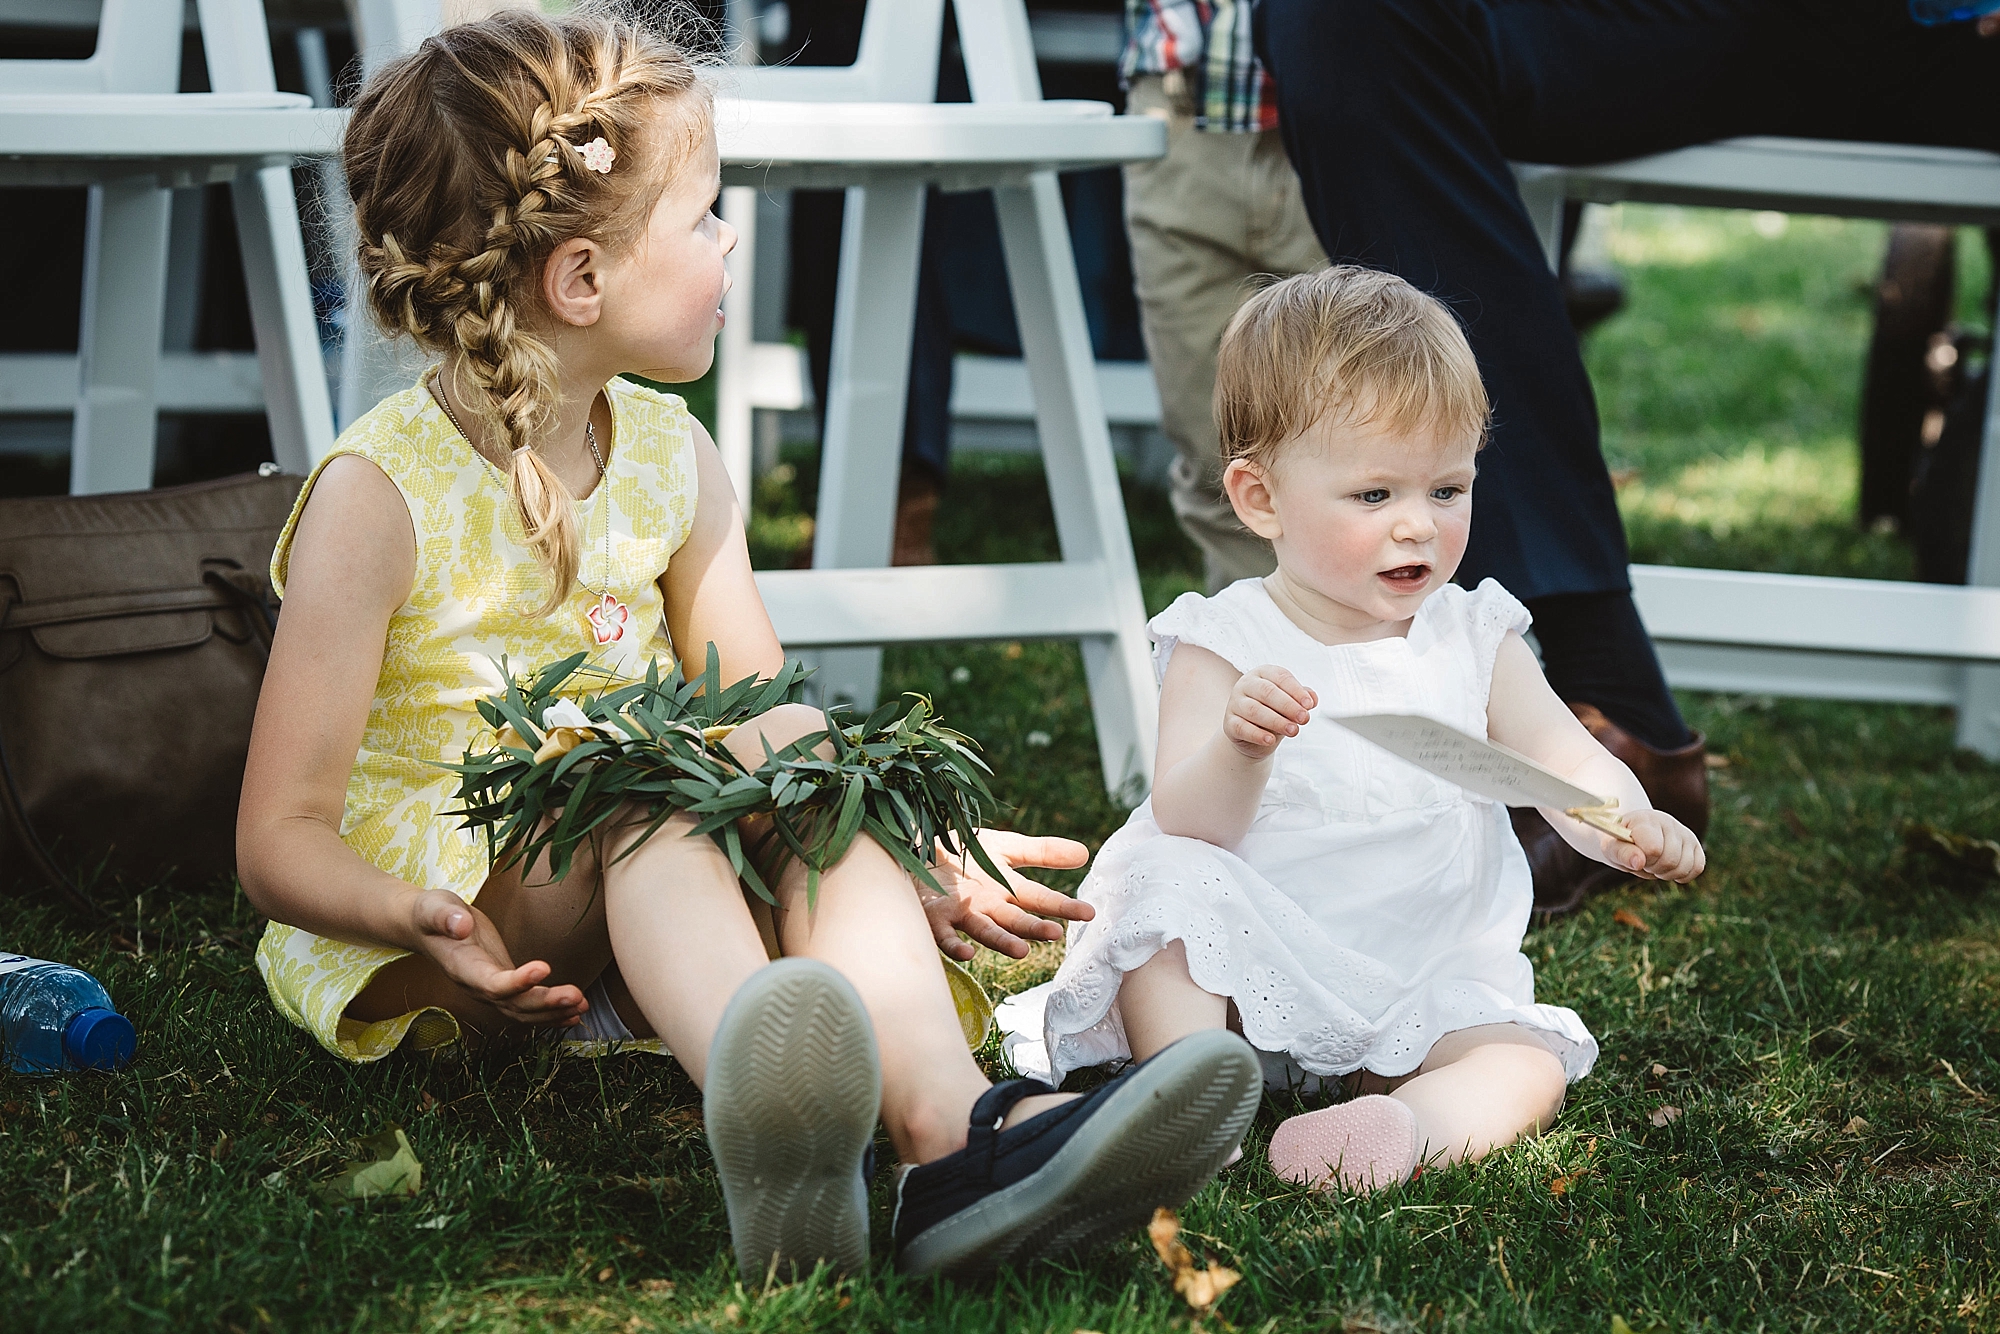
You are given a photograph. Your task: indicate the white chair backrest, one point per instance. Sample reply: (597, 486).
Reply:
(384, 29)
(238, 46)
(897, 61)
(138, 51)
(999, 50)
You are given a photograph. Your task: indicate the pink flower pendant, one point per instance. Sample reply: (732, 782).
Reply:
(608, 619)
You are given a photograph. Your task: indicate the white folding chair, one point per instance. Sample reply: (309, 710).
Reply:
(873, 128)
(114, 122)
(1796, 635)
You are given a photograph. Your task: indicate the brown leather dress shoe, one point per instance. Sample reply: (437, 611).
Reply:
(1676, 781)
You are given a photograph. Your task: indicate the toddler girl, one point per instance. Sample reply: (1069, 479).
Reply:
(532, 197)
(1356, 915)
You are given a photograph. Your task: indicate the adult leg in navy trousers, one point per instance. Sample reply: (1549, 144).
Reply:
(1401, 117)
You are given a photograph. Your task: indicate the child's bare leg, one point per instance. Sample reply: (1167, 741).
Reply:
(1161, 1004)
(682, 934)
(1481, 1089)
(869, 924)
(1477, 1090)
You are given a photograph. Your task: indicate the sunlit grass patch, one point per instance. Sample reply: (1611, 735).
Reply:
(1786, 508)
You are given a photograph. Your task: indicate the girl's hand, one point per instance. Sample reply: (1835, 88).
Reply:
(1662, 848)
(1266, 705)
(1004, 918)
(467, 946)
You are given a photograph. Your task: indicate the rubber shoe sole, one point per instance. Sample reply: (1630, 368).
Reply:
(1154, 1142)
(794, 1089)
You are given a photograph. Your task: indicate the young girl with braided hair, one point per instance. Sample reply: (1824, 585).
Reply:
(533, 201)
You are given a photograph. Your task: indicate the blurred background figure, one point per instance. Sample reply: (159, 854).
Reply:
(1923, 412)
(1221, 209)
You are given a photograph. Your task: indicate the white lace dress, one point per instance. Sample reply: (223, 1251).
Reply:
(1371, 909)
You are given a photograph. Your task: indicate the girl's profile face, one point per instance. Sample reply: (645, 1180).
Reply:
(668, 288)
(1373, 520)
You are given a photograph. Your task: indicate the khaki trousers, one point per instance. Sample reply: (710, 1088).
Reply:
(1218, 210)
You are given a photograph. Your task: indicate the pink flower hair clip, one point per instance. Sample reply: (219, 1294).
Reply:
(598, 155)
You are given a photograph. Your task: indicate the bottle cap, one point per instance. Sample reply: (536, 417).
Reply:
(99, 1039)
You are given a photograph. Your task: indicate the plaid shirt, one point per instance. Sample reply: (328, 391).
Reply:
(1210, 39)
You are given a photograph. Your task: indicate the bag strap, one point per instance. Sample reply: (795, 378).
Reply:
(109, 606)
(221, 588)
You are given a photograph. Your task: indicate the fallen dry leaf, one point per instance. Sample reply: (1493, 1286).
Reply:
(1619, 1325)
(1964, 863)
(390, 1169)
(1855, 1127)
(657, 1287)
(1659, 1071)
(1626, 917)
(1562, 1183)
(1202, 1288)
(1665, 1116)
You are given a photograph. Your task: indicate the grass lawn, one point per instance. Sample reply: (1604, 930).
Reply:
(1793, 1125)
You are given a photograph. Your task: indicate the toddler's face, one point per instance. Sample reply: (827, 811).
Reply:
(669, 288)
(1371, 520)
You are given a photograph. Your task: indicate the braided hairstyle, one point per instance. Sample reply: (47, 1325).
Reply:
(463, 161)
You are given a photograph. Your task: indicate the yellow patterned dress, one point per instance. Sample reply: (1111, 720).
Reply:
(476, 591)
(473, 600)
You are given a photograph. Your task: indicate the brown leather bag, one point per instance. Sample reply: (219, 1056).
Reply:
(134, 630)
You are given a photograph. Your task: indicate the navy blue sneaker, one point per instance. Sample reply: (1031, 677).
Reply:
(1083, 1173)
(794, 1088)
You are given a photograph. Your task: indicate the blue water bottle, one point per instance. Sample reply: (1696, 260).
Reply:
(54, 1017)
(1932, 13)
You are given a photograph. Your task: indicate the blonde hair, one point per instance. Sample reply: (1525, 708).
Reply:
(463, 161)
(1345, 344)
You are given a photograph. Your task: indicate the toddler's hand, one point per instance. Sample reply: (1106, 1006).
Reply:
(1662, 848)
(467, 946)
(1266, 705)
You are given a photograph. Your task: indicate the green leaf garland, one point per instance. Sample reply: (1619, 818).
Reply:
(565, 764)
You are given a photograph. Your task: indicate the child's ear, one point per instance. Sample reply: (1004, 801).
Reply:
(1248, 486)
(571, 282)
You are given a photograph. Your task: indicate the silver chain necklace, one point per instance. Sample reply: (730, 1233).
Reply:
(597, 457)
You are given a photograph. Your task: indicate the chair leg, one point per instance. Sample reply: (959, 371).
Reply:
(1979, 707)
(874, 316)
(288, 350)
(734, 417)
(1544, 190)
(118, 356)
(1083, 475)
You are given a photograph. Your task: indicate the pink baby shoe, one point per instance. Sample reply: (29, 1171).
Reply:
(1370, 1141)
